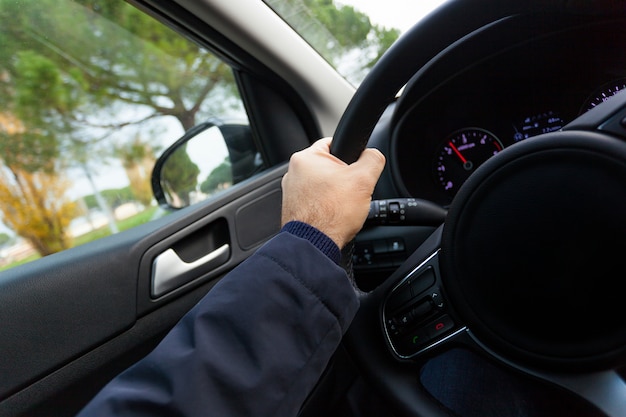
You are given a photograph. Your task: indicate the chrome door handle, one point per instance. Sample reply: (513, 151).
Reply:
(170, 272)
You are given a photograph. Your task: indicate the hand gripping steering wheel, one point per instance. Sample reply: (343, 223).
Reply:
(527, 267)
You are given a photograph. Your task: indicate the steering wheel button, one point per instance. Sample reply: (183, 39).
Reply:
(398, 298)
(440, 326)
(421, 310)
(405, 319)
(422, 282)
(412, 342)
(437, 299)
(393, 327)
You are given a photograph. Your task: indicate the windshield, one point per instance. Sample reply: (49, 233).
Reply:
(352, 34)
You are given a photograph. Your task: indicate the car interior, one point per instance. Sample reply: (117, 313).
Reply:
(496, 229)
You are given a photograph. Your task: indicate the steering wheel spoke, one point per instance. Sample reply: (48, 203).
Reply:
(416, 314)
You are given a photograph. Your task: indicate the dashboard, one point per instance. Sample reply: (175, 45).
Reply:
(496, 89)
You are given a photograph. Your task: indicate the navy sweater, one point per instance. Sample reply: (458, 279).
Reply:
(255, 345)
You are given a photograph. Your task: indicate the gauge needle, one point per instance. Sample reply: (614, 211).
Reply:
(456, 151)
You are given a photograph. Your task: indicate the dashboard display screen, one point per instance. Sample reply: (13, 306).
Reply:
(537, 124)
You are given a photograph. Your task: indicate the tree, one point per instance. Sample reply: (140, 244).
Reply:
(115, 53)
(32, 193)
(113, 197)
(59, 64)
(145, 64)
(180, 177)
(36, 95)
(68, 68)
(45, 225)
(5, 239)
(338, 32)
(219, 178)
(138, 158)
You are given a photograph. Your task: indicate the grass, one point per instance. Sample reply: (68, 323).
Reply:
(140, 218)
(20, 262)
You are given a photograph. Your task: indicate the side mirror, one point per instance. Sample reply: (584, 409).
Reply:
(208, 158)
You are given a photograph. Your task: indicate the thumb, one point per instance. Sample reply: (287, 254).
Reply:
(371, 160)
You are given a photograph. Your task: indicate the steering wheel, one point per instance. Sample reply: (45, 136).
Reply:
(526, 267)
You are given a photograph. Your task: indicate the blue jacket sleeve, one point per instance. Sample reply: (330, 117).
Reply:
(255, 345)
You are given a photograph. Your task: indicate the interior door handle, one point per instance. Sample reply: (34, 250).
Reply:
(169, 271)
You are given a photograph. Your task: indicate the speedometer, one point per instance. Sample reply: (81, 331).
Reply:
(603, 94)
(461, 153)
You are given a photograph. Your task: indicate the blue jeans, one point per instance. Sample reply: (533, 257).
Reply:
(471, 386)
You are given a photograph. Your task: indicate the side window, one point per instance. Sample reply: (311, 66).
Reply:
(90, 93)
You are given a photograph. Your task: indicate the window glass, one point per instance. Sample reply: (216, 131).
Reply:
(352, 34)
(90, 93)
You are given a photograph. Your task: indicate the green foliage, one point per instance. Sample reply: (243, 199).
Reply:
(4, 239)
(113, 197)
(349, 26)
(138, 158)
(135, 152)
(384, 38)
(180, 175)
(141, 61)
(62, 61)
(29, 151)
(336, 30)
(42, 89)
(220, 176)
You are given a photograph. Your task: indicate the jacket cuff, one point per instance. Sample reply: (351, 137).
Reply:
(322, 242)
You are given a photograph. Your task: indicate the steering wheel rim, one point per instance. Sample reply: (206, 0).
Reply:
(403, 59)
(366, 337)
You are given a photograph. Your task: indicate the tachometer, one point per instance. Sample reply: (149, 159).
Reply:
(603, 94)
(460, 155)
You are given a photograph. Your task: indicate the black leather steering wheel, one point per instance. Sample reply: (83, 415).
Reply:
(525, 270)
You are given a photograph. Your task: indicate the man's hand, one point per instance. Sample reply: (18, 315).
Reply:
(325, 192)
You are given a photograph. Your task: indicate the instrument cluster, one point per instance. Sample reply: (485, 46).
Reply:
(444, 137)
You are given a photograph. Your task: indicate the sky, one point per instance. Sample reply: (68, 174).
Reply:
(399, 14)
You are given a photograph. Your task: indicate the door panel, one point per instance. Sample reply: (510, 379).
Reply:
(72, 320)
(247, 229)
(60, 306)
